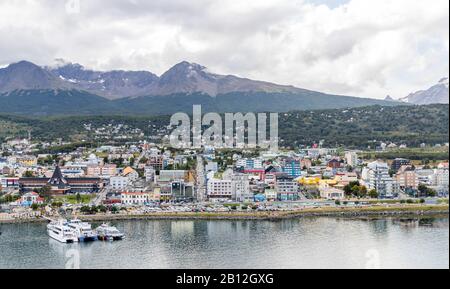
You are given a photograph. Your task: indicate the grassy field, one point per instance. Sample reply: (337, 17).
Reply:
(72, 199)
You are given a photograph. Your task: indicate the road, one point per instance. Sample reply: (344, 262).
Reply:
(100, 197)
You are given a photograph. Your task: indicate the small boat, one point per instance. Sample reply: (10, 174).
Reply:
(109, 233)
(60, 231)
(83, 230)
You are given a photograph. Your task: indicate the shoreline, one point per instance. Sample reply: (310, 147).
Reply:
(358, 212)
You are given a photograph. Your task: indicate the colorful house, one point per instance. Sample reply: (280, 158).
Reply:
(29, 199)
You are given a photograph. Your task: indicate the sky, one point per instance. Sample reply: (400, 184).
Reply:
(365, 48)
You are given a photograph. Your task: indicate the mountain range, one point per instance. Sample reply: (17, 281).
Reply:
(438, 93)
(68, 88)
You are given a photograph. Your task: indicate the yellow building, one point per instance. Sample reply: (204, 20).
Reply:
(27, 161)
(309, 181)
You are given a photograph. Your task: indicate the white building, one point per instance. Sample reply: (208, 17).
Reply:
(332, 194)
(212, 167)
(119, 183)
(149, 173)
(441, 178)
(254, 163)
(351, 159)
(376, 176)
(134, 198)
(220, 189)
(240, 185)
(425, 176)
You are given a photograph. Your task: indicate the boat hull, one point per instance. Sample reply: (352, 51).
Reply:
(59, 238)
(87, 239)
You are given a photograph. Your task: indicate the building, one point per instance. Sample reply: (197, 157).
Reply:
(398, 163)
(8, 184)
(105, 171)
(250, 164)
(332, 194)
(306, 163)
(441, 179)
(292, 168)
(134, 198)
(60, 185)
(172, 175)
(334, 164)
(407, 178)
(271, 194)
(219, 189)
(131, 174)
(29, 199)
(119, 183)
(376, 176)
(240, 186)
(351, 158)
(149, 174)
(212, 167)
(425, 176)
(27, 161)
(156, 161)
(270, 180)
(181, 191)
(286, 188)
(344, 179)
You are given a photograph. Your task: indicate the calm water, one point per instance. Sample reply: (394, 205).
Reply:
(301, 243)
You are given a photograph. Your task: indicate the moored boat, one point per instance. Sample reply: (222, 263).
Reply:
(109, 233)
(60, 231)
(83, 230)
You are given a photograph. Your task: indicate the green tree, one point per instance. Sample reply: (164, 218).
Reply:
(102, 209)
(363, 191)
(425, 191)
(45, 192)
(373, 194)
(348, 190)
(79, 199)
(28, 174)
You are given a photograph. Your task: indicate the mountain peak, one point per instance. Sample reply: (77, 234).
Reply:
(438, 93)
(23, 65)
(185, 67)
(444, 81)
(389, 98)
(25, 75)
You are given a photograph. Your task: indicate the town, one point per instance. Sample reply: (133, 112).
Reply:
(147, 178)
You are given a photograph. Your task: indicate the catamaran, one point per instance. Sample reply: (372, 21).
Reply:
(60, 231)
(83, 230)
(109, 233)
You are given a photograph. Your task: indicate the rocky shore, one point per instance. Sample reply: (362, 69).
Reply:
(347, 212)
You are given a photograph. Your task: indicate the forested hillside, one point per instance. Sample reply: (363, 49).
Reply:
(353, 128)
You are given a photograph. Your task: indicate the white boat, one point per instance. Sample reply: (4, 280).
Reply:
(60, 231)
(109, 233)
(83, 230)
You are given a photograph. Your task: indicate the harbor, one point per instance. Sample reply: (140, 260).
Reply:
(326, 242)
(73, 231)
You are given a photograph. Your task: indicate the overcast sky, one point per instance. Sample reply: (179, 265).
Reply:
(367, 48)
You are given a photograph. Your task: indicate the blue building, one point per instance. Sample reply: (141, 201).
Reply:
(292, 168)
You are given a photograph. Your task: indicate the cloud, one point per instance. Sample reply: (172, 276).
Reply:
(358, 47)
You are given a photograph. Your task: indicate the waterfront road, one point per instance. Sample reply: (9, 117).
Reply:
(100, 197)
